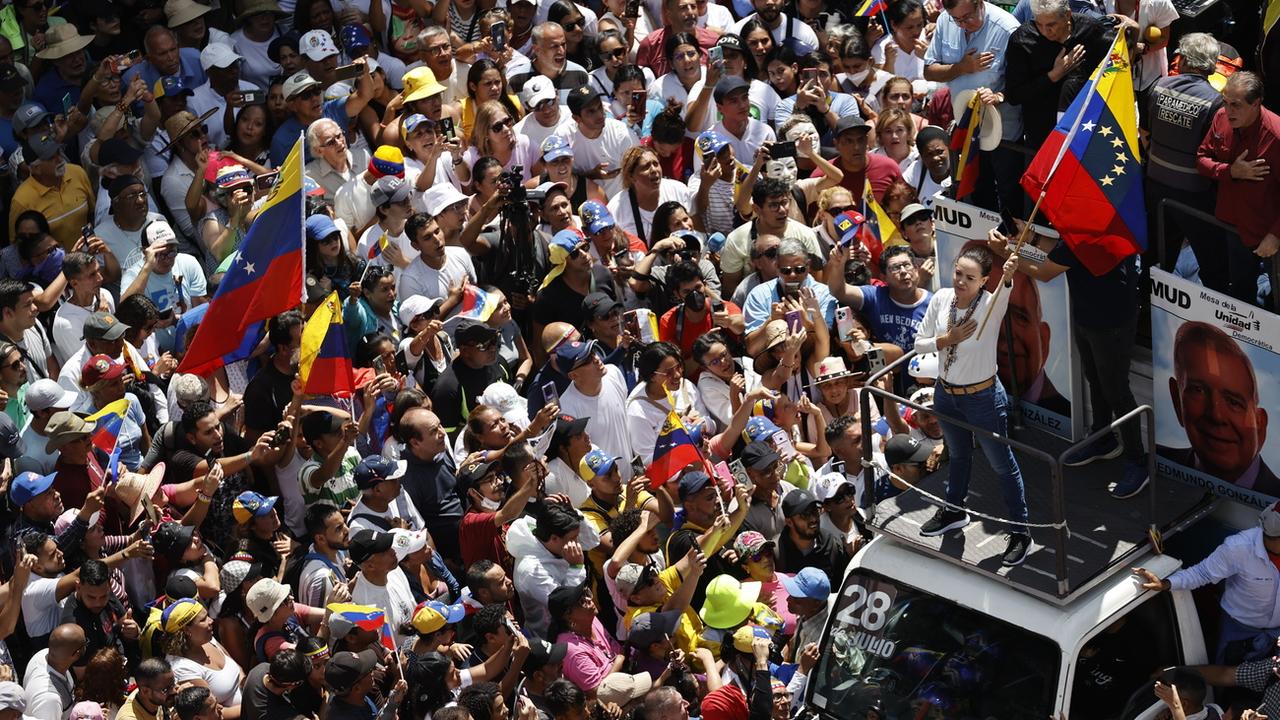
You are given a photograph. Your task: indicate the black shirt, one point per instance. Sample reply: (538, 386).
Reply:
(266, 397)
(1030, 57)
(1101, 303)
(432, 486)
(559, 302)
(458, 391)
(101, 629)
(259, 703)
(827, 553)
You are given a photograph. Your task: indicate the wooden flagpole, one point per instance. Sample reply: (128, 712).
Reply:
(1022, 238)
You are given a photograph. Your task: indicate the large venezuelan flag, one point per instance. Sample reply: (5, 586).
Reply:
(672, 452)
(324, 367)
(1090, 170)
(264, 280)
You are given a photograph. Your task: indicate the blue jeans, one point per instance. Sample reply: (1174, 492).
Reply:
(986, 409)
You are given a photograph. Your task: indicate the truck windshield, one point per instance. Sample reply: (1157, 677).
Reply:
(907, 655)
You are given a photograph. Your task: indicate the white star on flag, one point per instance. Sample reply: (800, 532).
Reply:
(248, 267)
(1088, 127)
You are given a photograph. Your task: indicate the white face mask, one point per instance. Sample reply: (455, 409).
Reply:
(801, 130)
(489, 505)
(784, 169)
(860, 77)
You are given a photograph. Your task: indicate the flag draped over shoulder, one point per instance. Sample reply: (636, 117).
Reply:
(964, 142)
(264, 280)
(323, 366)
(673, 451)
(1090, 171)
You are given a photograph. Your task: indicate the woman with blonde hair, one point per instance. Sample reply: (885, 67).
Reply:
(896, 136)
(197, 657)
(494, 135)
(646, 189)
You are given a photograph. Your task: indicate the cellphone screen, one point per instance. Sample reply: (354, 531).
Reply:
(550, 395)
(498, 33)
(793, 321)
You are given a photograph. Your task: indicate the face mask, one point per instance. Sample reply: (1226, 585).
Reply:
(489, 505)
(860, 77)
(784, 169)
(695, 300)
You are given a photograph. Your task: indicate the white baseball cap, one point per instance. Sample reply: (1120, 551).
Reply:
(317, 45)
(538, 89)
(218, 55)
(46, 393)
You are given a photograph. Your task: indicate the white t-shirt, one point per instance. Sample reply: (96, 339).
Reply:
(421, 279)
(805, 39)
(374, 235)
(614, 140)
(668, 87)
(68, 325)
(744, 148)
(537, 132)
(395, 598)
(563, 480)
(620, 206)
(257, 68)
(645, 418)
(41, 610)
(223, 684)
(1155, 64)
(717, 16)
(126, 245)
(607, 413)
(352, 202)
(906, 65)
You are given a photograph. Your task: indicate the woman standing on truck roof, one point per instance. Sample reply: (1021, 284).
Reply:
(970, 391)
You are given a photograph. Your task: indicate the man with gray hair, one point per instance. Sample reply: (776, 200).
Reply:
(436, 52)
(665, 703)
(1049, 60)
(1178, 111)
(334, 163)
(1242, 144)
(794, 288)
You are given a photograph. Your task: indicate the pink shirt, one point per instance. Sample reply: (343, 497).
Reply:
(589, 660)
(775, 592)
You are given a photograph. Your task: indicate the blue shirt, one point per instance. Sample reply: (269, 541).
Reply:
(890, 321)
(289, 131)
(52, 88)
(842, 104)
(951, 43)
(762, 297)
(191, 71)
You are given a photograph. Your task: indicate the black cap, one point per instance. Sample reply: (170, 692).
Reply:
(598, 304)
(120, 183)
(732, 42)
(566, 427)
(651, 627)
(172, 539)
(904, 449)
(470, 474)
(580, 98)
(759, 455)
(320, 422)
(563, 599)
(798, 501)
(345, 669)
(366, 543)
(851, 122)
(179, 586)
(728, 84)
(10, 78)
(470, 331)
(543, 653)
(692, 482)
(117, 151)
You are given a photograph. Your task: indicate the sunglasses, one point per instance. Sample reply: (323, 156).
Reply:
(794, 270)
(834, 211)
(578, 24)
(308, 93)
(771, 253)
(15, 365)
(501, 125)
(615, 53)
(760, 556)
(486, 345)
(578, 251)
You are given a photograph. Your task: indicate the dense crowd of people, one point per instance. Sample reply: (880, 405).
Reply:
(612, 275)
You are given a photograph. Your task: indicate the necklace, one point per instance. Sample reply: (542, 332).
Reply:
(950, 351)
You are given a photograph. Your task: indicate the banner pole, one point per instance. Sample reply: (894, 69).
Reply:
(1022, 238)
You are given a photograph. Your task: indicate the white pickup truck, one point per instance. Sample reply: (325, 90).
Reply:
(937, 628)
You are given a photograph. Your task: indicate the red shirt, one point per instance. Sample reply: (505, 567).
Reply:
(650, 55)
(1250, 205)
(72, 483)
(880, 169)
(680, 165)
(691, 330)
(481, 539)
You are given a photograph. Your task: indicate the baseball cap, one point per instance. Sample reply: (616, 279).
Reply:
(904, 449)
(573, 355)
(596, 216)
(415, 305)
(623, 688)
(710, 142)
(566, 427)
(172, 86)
(375, 469)
(43, 147)
(555, 147)
(389, 189)
(750, 542)
(916, 211)
(407, 542)
(797, 502)
(249, 505)
(847, 225)
(1269, 520)
(354, 37)
(99, 368)
(599, 304)
(265, 597)
(318, 423)
(12, 696)
(470, 474)
(543, 653)
(10, 79)
(828, 485)
(759, 455)
(218, 55)
(299, 82)
(117, 152)
(581, 98)
(810, 583)
(29, 115)
(537, 90)
(46, 393)
(851, 122)
(27, 485)
(760, 429)
(692, 482)
(431, 615)
(366, 543)
(470, 331)
(412, 122)
(727, 85)
(158, 233)
(595, 463)
(317, 45)
(563, 598)
(732, 42)
(320, 227)
(345, 669)
(651, 627)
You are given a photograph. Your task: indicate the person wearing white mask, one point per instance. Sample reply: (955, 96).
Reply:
(800, 131)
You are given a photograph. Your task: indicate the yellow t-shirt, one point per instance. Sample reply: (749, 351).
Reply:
(690, 626)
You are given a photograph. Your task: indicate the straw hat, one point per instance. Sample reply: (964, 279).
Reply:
(133, 487)
(62, 40)
(181, 12)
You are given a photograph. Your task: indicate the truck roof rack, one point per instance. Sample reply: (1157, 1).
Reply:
(1096, 534)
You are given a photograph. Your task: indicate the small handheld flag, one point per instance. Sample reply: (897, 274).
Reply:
(324, 367)
(375, 250)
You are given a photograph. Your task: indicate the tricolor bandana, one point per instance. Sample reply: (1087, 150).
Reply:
(762, 408)
(847, 224)
(561, 245)
(230, 176)
(387, 161)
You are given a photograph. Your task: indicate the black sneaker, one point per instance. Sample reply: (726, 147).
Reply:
(944, 521)
(1106, 447)
(1016, 552)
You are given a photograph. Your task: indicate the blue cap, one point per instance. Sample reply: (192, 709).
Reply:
(715, 242)
(412, 122)
(375, 469)
(249, 505)
(354, 37)
(595, 463)
(28, 485)
(692, 482)
(451, 613)
(809, 583)
(555, 147)
(570, 356)
(760, 428)
(710, 142)
(847, 225)
(171, 85)
(568, 238)
(320, 227)
(595, 216)
(728, 84)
